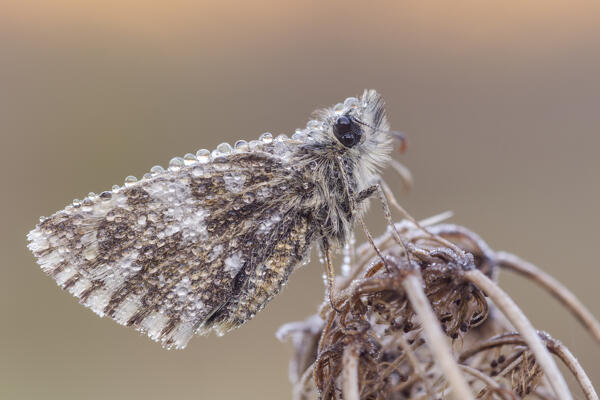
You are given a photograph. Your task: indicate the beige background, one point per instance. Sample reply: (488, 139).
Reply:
(500, 101)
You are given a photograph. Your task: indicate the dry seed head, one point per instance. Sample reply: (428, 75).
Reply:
(394, 359)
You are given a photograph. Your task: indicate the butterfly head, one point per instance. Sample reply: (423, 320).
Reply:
(358, 125)
(356, 130)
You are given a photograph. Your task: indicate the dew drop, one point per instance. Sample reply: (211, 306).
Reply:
(176, 163)
(87, 204)
(224, 148)
(147, 175)
(189, 159)
(338, 108)
(266, 137)
(351, 102)
(198, 172)
(254, 145)
(203, 156)
(346, 267)
(321, 256)
(299, 135)
(106, 195)
(215, 154)
(130, 180)
(157, 169)
(76, 203)
(241, 146)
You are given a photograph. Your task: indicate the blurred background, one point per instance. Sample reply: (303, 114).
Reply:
(500, 101)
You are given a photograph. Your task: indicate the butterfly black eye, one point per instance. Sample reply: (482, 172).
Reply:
(346, 131)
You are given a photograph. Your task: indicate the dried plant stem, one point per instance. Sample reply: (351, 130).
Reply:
(301, 390)
(576, 369)
(436, 219)
(404, 173)
(392, 337)
(389, 194)
(365, 251)
(489, 382)
(350, 387)
(414, 362)
(435, 338)
(525, 328)
(558, 290)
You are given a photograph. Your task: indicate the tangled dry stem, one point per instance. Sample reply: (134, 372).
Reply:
(431, 323)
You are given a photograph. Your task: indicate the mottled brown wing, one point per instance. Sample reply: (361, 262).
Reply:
(199, 246)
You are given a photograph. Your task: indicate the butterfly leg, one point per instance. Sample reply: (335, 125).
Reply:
(387, 213)
(353, 202)
(330, 273)
(372, 242)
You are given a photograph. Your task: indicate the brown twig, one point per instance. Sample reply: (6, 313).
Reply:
(520, 321)
(557, 289)
(350, 387)
(435, 338)
(572, 364)
(391, 336)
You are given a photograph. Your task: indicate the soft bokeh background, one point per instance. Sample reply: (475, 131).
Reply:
(500, 101)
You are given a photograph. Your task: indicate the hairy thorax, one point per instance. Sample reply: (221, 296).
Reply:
(333, 208)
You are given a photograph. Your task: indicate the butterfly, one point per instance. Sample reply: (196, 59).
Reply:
(206, 243)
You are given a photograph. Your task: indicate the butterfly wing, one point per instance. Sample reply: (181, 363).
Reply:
(199, 246)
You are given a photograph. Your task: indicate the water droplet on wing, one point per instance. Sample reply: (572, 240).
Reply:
(266, 137)
(130, 180)
(203, 156)
(176, 163)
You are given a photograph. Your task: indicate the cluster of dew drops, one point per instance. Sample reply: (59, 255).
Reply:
(277, 146)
